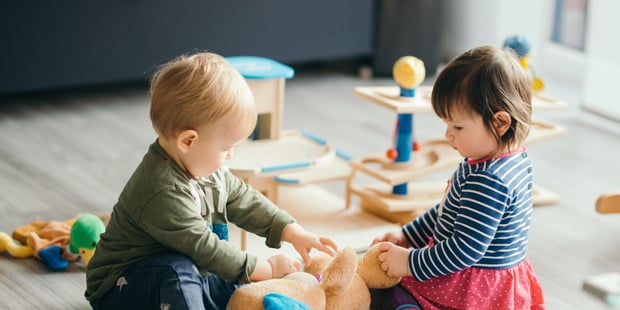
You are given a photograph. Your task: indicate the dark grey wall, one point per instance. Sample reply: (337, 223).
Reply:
(51, 44)
(408, 27)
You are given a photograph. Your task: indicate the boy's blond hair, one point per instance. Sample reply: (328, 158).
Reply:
(200, 89)
(486, 80)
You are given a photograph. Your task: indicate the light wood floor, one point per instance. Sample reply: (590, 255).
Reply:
(70, 152)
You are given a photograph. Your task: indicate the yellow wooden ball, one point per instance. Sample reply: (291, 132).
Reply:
(409, 71)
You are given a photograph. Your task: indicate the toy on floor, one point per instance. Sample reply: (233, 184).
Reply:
(523, 47)
(56, 243)
(606, 286)
(14, 249)
(84, 236)
(343, 283)
(49, 244)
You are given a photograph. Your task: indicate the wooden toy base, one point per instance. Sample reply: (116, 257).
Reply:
(433, 156)
(379, 200)
(322, 212)
(543, 130)
(543, 196)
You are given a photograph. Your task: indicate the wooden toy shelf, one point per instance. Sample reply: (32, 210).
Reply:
(432, 156)
(274, 156)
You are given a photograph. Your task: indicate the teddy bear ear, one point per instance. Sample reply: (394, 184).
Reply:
(340, 272)
(370, 270)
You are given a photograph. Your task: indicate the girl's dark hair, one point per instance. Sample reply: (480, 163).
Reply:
(486, 80)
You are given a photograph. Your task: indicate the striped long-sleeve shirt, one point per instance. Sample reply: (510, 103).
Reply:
(482, 222)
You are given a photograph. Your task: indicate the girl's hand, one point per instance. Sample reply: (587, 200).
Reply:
(304, 242)
(394, 260)
(396, 237)
(282, 265)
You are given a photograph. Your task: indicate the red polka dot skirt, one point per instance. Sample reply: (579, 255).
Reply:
(477, 288)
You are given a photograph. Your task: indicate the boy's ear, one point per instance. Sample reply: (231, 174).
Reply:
(186, 139)
(502, 122)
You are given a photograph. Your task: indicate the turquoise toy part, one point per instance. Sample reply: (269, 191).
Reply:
(260, 68)
(520, 44)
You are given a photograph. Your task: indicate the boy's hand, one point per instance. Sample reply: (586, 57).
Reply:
(282, 265)
(394, 260)
(304, 242)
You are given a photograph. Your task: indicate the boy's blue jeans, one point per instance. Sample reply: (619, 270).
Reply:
(166, 281)
(393, 298)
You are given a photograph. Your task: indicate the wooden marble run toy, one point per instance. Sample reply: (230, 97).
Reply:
(408, 72)
(398, 168)
(410, 159)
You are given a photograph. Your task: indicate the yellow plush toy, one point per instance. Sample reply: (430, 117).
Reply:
(344, 284)
(14, 249)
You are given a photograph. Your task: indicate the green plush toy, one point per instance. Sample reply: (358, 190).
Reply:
(85, 233)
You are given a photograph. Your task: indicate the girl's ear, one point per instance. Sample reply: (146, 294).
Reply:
(502, 122)
(186, 139)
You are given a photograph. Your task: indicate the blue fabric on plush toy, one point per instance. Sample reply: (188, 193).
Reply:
(52, 258)
(275, 301)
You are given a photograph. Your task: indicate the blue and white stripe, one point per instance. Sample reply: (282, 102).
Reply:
(483, 223)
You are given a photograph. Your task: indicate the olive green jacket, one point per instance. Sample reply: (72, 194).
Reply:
(162, 209)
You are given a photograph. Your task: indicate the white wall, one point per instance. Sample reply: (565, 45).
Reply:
(602, 66)
(555, 60)
(593, 72)
(470, 23)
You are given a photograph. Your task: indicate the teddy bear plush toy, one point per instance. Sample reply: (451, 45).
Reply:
(341, 282)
